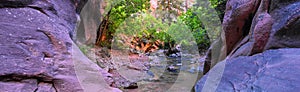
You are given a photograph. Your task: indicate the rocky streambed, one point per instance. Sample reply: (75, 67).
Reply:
(176, 74)
(154, 73)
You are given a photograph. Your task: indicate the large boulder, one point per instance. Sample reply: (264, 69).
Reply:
(270, 71)
(36, 49)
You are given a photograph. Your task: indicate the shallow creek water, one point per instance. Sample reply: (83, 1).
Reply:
(171, 74)
(166, 74)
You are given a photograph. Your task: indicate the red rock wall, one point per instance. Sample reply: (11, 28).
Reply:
(253, 26)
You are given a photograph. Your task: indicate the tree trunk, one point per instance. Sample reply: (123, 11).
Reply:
(103, 32)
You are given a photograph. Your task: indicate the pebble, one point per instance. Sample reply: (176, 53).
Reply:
(179, 64)
(150, 73)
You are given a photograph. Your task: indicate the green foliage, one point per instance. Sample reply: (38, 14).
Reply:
(219, 6)
(117, 12)
(201, 38)
(123, 9)
(142, 24)
(203, 22)
(131, 18)
(147, 26)
(180, 32)
(209, 19)
(191, 20)
(194, 23)
(215, 3)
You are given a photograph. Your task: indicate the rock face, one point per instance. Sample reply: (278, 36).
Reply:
(90, 14)
(36, 47)
(270, 71)
(253, 27)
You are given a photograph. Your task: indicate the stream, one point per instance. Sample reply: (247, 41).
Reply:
(171, 74)
(165, 74)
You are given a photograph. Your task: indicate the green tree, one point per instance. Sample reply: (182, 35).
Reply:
(118, 11)
(194, 23)
(203, 21)
(220, 6)
(142, 25)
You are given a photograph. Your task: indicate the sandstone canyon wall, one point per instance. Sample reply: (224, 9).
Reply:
(37, 53)
(262, 48)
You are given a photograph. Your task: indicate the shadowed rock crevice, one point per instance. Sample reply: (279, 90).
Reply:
(30, 84)
(18, 77)
(15, 3)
